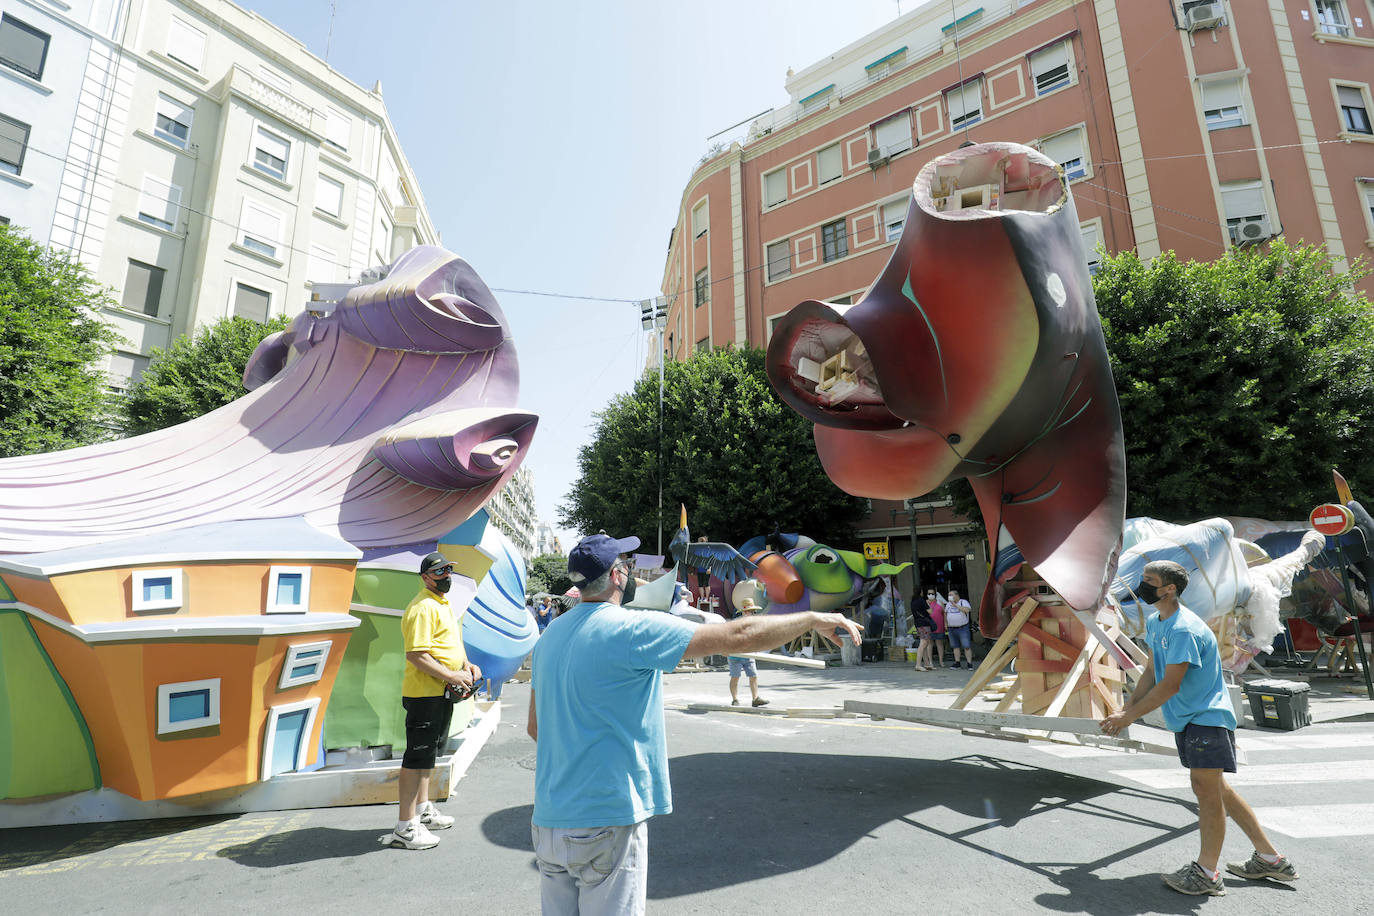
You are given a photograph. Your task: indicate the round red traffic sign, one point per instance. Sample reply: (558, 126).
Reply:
(1331, 519)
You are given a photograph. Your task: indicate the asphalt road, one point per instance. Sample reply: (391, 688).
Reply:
(775, 815)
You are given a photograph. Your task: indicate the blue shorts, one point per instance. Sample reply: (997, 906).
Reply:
(745, 665)
(1207, 747)
(960, 637)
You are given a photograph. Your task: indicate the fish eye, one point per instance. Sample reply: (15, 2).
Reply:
(824, 555)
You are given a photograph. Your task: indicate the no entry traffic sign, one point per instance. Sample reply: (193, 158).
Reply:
(1331, 520)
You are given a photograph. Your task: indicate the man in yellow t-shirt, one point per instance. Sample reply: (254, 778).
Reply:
(435, 661)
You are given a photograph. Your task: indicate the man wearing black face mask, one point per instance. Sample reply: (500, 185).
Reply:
(1182, 679)
(435, 660)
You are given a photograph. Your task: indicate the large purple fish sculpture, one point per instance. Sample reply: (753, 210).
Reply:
(977, 353)
(388, 420)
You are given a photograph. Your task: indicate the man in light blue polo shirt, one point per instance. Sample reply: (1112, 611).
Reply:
(596, 712)
(1183, 679)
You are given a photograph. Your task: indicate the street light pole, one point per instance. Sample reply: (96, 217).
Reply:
(653, 315)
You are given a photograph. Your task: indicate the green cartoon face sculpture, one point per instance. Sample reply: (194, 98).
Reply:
(822, 570)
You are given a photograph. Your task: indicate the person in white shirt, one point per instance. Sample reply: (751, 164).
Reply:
(959, 628)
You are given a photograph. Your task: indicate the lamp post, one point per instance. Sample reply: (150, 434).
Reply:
(653, 316)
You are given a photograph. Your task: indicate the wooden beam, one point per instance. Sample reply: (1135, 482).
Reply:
(1009, 700)
(1068, 650)
(1071, 679)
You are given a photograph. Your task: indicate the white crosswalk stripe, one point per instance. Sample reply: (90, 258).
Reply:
(1304, 821)
(1260, 775)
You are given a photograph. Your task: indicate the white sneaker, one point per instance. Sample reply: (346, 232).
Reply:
(433, 818)
(411, 837)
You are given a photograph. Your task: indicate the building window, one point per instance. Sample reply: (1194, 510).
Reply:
(1222, 105)
(260, 229)
(14, 142)
(893, 135)
(1050, 68)
(701, 287)
(271, 153)
(186, 44)
(886, 65)
(338, 127)
(1331, 18)
(1090, 242)
(1366, 187)
(251, 303)
(286, 743)
(1066, 149)
(156, 590)
(288, 590)
(383, 249)
(834, 240)
(775, 188)
(329, 196)
(125, 369)
(159, 203)
(704, 344)
(894, 218)
(831, 163)
(818, 99)
(304, 664)
(1247, 217)
(143, 287)
(173, 121)
(1354, 109)
(700, 219)
(779, 257)
(22, 47)
(322, 265)
(965, 104)
(187, 705)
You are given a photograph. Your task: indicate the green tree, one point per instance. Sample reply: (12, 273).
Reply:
(1242, 381)
(195, 375)
(737, 457)
(548, 573)
(52, 346)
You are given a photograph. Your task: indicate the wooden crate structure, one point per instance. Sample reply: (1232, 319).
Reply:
(1064, 672)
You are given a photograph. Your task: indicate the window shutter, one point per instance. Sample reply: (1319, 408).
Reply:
(1244, 201)
(1050, 67)
(329, 196)
(261, 223)
(337, 127)
(1063, 147)
(775, 187)
(894, 135)
(1220, 94)
(831, 163)
(321, 266)
(186, 43)
(160, 199)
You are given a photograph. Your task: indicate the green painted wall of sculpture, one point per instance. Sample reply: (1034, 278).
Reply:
(45, 748)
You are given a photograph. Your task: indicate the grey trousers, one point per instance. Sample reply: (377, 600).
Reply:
(592, 871)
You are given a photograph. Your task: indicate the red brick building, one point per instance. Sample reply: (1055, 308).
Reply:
(1190, 125)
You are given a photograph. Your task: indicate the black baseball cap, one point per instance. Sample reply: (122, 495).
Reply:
(436, 561)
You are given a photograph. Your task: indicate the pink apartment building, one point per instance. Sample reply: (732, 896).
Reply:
(1184, 125)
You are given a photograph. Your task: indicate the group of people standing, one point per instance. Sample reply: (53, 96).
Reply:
(936, 620)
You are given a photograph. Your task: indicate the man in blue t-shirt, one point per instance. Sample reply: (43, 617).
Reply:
(596, 713)
(1183, 679)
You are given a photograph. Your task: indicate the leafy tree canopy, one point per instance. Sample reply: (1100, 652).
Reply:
(52, 348)
(548, 573)
(1242, 381)
(737, 457)
(195, 375)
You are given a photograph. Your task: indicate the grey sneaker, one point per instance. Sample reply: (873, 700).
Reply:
(1191, 879)
(1257, 869)
(416, 837)
(434, 819)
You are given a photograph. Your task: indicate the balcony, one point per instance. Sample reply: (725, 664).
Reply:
(269, 98)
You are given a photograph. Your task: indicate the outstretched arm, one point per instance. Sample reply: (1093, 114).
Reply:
(1147, 696)
(761, 632)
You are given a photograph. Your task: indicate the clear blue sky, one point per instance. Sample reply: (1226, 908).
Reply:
(552, 142)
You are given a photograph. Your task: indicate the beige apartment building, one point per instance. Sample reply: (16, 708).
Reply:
(213, 166)
(1184, 125)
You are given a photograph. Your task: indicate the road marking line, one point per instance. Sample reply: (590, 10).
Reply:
(1305, 821)
(1265, 774)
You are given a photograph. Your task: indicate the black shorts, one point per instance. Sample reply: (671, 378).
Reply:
(1207, 747)
(427, 722)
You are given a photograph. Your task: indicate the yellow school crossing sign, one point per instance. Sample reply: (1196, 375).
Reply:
(875, 550)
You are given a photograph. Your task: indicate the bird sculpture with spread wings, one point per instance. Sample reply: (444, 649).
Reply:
(719, 559)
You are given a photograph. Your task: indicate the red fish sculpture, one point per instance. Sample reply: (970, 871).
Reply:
(977, 353)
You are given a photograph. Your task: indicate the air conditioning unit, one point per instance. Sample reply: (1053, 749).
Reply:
(878, 157)
(1204, 16)
(1250, 230)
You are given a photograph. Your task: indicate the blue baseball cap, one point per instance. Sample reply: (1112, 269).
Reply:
(593, 555)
